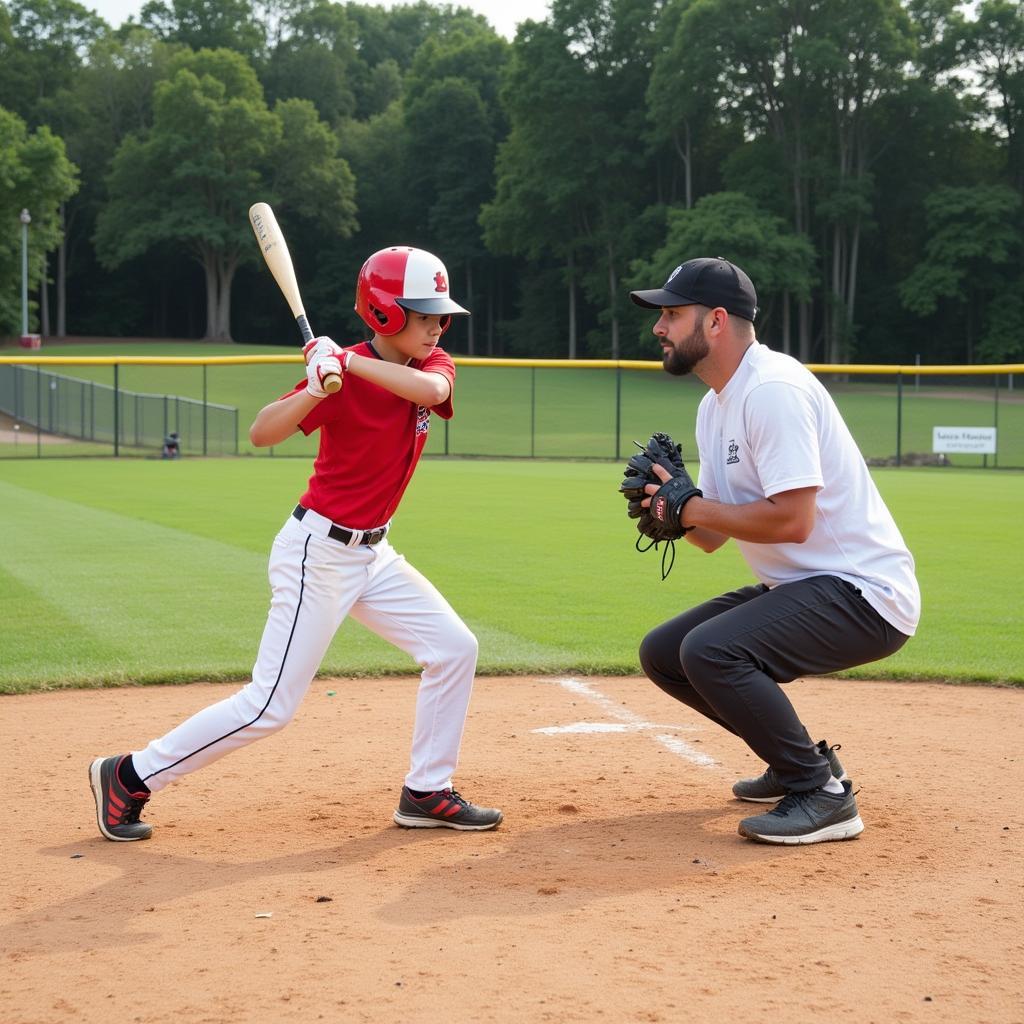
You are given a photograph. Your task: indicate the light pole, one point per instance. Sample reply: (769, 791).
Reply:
(25, 221)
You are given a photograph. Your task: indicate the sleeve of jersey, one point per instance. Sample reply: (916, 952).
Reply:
(318, 416)
(706, 476)
(782, 430)
(440, 362)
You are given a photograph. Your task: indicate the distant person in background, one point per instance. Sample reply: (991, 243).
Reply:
(781, 475)
(172, 447)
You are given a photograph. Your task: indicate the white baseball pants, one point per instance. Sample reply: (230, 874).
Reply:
(316, 582)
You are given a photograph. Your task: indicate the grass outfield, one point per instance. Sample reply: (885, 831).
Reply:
(146, 571)
(564, 412)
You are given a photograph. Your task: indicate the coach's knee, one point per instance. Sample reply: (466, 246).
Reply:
(649, 661)
(701, 657)
(659, 657)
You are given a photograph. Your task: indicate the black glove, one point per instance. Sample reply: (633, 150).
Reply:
(667, 502)
(660, 450)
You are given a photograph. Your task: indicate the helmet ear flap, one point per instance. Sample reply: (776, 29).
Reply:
(384, 322)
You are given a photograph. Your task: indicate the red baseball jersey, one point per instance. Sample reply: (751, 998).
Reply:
(370, 442)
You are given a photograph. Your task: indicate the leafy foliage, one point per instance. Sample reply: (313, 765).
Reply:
(213, 147)
(35, 175)
(821, 141)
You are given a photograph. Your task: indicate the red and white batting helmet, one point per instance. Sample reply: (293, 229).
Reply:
(400, 278)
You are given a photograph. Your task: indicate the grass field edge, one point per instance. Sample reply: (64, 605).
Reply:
(183, 677)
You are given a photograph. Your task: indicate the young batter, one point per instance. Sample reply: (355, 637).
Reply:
(332, 558)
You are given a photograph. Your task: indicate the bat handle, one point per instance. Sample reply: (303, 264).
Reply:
(332, 383)
(304, 329)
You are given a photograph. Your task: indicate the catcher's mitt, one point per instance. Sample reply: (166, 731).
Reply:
(660, 524)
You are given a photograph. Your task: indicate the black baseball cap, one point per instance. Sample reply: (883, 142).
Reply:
(708, 281)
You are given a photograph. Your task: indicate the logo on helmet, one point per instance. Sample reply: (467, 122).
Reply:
(440, 282)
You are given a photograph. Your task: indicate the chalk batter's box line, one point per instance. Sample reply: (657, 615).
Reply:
(629, 722)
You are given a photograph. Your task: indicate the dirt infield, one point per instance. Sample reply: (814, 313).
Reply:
(276, 888)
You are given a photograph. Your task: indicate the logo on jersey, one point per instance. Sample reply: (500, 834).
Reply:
(440, 282)
(422, 419)
(734, 457)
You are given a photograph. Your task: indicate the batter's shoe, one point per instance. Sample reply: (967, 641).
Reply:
(766, 789)
(444, 809)
(117, 810)
(812, 817)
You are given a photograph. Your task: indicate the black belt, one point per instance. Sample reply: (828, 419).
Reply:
(345, 536)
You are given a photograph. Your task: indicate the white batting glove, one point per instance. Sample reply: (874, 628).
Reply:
(318, 369)
(322, 346)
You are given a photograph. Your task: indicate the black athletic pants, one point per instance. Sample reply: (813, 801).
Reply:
(726, 659)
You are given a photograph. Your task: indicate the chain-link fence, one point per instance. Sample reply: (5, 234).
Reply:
(47, 409)
(939, 416)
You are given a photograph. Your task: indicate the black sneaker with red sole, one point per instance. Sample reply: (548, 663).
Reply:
(117, 810)
(444, 809)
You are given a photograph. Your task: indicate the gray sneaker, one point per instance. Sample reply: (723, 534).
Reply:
(766, 789)
(444, 809)
(811, 817)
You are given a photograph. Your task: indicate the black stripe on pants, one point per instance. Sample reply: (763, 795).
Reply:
(726, 658)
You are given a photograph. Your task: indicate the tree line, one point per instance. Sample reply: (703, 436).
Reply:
(863, 160)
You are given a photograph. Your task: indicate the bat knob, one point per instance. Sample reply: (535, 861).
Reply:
(332, 383)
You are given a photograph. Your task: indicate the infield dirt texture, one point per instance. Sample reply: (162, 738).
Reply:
(276, 888)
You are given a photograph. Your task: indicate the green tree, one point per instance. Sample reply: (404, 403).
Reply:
(451, 172)
(810, 75)
(206, 24)
(732, 225)
(540, 196)
(614, 42)
(575, 97)
(42, 45)
(995, 46)
(110, 96)
(214, 149)
(35, 174)
(865, 47)
(680, 109)
(972, 264)
(315, 58)
(454, 81)
(473, 52)
(398, 32)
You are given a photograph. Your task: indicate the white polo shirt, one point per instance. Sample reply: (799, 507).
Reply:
(775, 428)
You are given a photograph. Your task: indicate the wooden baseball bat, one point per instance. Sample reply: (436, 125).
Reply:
(278, 259)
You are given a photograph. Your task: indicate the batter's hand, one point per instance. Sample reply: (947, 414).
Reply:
(317, 370)
(322, 346)
(665, 502)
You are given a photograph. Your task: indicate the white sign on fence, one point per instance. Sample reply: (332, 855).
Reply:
(978, 440)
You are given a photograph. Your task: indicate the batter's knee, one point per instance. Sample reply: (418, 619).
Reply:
(265, 716)
(465, 646)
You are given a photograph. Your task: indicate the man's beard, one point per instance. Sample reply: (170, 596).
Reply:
(682, 358)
